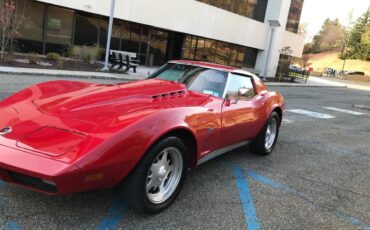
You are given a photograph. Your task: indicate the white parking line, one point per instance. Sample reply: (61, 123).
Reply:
(344, 111)
(311, 114)
(286, 121)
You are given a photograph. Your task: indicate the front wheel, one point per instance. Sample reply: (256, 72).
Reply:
(158, 178)
(265, 142)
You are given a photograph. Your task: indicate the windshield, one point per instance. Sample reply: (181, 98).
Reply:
(199, 79)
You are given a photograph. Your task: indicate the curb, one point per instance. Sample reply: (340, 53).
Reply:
(69, 75)
(309, 86)
(72, 75)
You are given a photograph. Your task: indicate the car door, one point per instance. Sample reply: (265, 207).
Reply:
(240, 110)
(207, 122)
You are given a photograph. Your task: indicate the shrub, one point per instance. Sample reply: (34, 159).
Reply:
(33, 58)
(88, 54)
(53, 57)
(9, 58)
(60, 63)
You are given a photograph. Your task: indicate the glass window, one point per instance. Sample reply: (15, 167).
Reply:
(193, 47)
(255, 9)
(158, 46)
(210, 50)
(250, 57)
(186, 48)
(116, 34)
(86, 31)
(59, 25)
(222, 53)
(294, 15)
(126, 34)
(199, 53)
(28, 46)
(198, 79)
(135, 38)
(260, 10)
(232, 55)
(240, 57)
(207, 81)
(32, 27)
(250, 8)
(239, 87)
(241, 7)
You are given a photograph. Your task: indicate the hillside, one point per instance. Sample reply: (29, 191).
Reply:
(323, 60)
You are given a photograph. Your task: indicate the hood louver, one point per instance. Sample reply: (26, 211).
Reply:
(169, 95)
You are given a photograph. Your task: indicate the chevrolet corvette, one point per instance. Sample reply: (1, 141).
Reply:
(63, 137)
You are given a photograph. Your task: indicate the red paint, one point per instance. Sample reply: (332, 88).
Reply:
(66, 131)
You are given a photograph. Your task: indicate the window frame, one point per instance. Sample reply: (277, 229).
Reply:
(242, 75)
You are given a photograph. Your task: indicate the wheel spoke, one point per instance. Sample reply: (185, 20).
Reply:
(164, 175)
(164, 158)
(169, 169)
(149, 185)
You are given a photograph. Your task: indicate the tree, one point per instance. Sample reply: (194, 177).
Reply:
(11, 18)
(330, 37)
(358, 45)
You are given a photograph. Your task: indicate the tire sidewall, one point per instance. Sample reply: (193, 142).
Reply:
(276, 116)
(143, 169)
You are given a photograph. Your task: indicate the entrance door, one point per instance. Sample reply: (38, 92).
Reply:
(174, 45)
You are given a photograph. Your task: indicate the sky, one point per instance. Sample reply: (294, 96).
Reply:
(316, 11)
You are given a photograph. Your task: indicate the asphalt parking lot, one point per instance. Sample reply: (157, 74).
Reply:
(317, 178)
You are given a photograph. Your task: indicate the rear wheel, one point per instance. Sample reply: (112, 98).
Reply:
(159, 177)
(265, 142)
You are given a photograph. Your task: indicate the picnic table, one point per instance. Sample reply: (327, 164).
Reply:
(123, 58)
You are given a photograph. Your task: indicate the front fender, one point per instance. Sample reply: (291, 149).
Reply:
(116, 157)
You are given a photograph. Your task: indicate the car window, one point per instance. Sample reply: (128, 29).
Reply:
(207, 81)
(242, 83)
(172, 72)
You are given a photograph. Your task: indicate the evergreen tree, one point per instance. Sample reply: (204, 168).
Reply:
(359, 43)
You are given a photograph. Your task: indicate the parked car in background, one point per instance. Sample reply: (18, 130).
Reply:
(64, 137)
(361, 73)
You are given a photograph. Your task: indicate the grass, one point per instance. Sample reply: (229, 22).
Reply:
(331, 60)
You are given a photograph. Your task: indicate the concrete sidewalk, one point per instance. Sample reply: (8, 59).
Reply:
(143, 72)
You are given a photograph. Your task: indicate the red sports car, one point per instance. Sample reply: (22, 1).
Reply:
(65, 137)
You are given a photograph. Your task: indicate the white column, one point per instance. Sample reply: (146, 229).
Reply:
(276, 10)
(111, 17)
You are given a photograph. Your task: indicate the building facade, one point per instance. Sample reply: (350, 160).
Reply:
(230, 32)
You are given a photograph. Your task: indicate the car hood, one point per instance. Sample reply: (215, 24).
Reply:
(96, 103)
(93, 108)
(55, 118)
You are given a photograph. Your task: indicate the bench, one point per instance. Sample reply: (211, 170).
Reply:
(303, 74)
(123, 58)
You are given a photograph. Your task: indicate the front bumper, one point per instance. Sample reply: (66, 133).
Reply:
(39, 173)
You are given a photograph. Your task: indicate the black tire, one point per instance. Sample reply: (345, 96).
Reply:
(258, 145)
(134, 186)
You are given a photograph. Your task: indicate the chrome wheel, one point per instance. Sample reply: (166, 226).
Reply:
(164, 175)
(271, 132)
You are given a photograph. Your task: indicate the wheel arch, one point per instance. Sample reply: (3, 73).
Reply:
(279, 111)
(189, 140)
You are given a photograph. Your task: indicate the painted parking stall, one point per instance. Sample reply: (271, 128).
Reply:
(344, 111)
(311, 113)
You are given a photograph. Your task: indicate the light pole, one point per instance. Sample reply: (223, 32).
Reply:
(111, 17)
(273, 25)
